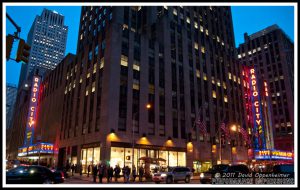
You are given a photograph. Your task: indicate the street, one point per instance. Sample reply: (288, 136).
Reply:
(77, 179)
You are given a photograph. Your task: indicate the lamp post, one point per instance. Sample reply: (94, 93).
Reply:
(148, 106)
(233, 129)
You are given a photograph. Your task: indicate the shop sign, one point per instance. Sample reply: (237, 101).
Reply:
(273, 154)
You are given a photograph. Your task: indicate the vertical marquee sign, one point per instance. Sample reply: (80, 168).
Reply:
(258, 127)
(32, 111)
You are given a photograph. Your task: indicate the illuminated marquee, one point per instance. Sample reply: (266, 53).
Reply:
(273, 154)
(45, 148)
(31, 118)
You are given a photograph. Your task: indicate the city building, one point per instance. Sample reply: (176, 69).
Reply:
(180, 61)
(47, 38)
(271, 53)
(11, 94)
(36, 123)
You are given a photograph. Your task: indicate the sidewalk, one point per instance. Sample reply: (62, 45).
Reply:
(104, 179)
(120, 179)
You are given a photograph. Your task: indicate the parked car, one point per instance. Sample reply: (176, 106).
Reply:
(12, 164)
(206, 177)
(33, 175)
(239, 168)
(173, 174)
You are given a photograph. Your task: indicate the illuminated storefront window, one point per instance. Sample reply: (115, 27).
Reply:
(117, 157)
(123, 156)
(172, 158)
(89, 156)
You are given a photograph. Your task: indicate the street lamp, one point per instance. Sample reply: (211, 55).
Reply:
(148, 106)
(233, 128)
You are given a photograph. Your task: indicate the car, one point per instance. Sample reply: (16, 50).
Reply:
(173, 174)
(206, 177)
(239, 168)
(32, 174)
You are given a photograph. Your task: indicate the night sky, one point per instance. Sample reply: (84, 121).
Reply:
(248, 19)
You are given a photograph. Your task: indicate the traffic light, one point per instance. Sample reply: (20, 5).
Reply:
(9, 44)
(23, 52)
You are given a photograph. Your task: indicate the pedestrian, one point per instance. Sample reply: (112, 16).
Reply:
(110, 173)
(100, 172)
(133, 173)
(123, 172)
(72, 169)
(141, 173)
(127, 173)
(89, 170)
(80, 169)
(117, 171)
(95, 172)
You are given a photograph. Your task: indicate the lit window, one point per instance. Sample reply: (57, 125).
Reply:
(88, 75)
(95, 67)
(239, 56)
(278, 93)
(239, 80)
(87, 92)
(196, 25)
(225, 99)
(93, 87)
(266, 46)
(136, 86)
(224, 85)
(254, 50)
(244, 54)
(196, 46)
(213, 80)
(102, 63)
(218, 83)
(202, 49)
(258, 49)
(204, 77)
(206, 32)
(201, 28)
(281, 77)
(198, 73)
(124, 60)
(214, 94)
(188, 20)
(80, 81)
(175, 12)
(234, 78)
(125, 26)
(229, 76)
(136, 67)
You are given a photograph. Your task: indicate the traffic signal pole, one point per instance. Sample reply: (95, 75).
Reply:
(17, 34)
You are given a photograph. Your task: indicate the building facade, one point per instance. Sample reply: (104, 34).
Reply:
(180, 60)
(47, 38)
(11, 94)
(36, 123)
(271, 53)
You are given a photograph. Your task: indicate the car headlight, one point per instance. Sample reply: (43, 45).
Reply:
(163, 175)
(201, 175)
(15, 166)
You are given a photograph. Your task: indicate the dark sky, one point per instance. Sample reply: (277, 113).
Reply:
(248, 19)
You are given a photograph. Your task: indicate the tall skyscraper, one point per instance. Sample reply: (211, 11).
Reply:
(11, 94)
(271, 53)
(181, 60)
(47, 38)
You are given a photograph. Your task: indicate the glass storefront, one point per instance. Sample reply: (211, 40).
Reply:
(123, 157)
(89, 156)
